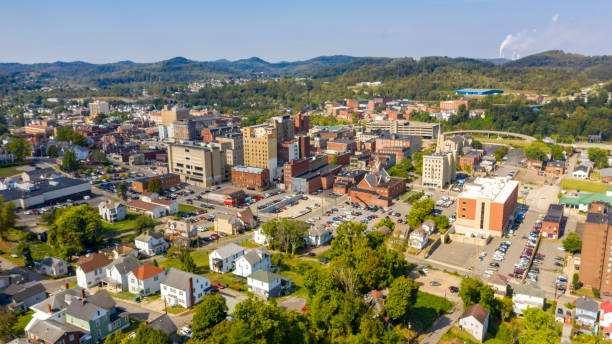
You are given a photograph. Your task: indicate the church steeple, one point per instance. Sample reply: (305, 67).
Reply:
(440, 144)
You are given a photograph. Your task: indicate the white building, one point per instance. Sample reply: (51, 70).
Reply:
(526, 296)
(475, 320)
(151, 243)
(253, 260)
(318, 236)
(51, 266)
(118, 270)
(259, 237)
(112, 211)
(98, 107)
(429, 226)
(581, 172)
(223, 259)
(605, 319)
(146, 279)
(267, 284)
(419, 239)
(54, 307)
(180, 288)
(91, 270)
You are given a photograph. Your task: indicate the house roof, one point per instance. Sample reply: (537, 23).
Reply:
(82, 310)
(50, 261)
(264, 276)
(246, 216)
(554, 213)
(20, 292)
(51, 330)
(477, 311)
(229, 250)
(582, 168)
(101, 299)
(252, 257)
(178, 279)
(402, 229)
(586, 199)
(164, 323)
(606, 307)
(92, 262)
(59, 300)
(529, 289)
(146, 236)
(147, 271)
(125, 264)
(429, 223)
(138, 204)
(384, 229)
(587, 304)
(497, 279)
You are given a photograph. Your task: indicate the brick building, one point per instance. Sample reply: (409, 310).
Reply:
(484, 207)
(301, 122)
(167, 181)
(346, 180)
(342, 145)
(304, 142)
(377, 189)
(471, 159)
(551, 225)
(555, 167)
(411, 142)
(341, 158)
(251, 178)
(294, 168)
(455, 104)
(596, 251)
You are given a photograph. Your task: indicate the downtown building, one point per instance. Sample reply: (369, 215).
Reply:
(260, 147)
(202, 164)
(596, 254)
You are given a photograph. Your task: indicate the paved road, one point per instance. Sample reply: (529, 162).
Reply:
(442, 325)
(565, 334)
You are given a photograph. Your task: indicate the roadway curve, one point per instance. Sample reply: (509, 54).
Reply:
(491, 132)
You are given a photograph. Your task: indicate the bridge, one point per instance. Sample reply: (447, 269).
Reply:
(491, 132)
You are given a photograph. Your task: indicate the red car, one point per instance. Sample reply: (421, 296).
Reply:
(214, 236)
(304, 309)
(218, 285)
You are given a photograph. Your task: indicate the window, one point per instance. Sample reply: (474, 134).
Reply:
(482, 213)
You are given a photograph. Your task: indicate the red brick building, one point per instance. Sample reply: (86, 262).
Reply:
(555, 167)
(304, 142)
(471, 159)
(294, 168)
(551, 225)
(167, 181)
(251, 178)
(301, 122)
(343, 158)
(377, 189)
(455, 104)
(342, 145)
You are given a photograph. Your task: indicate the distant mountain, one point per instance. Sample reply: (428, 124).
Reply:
(496, 61)
(178, 69)
(559, 58)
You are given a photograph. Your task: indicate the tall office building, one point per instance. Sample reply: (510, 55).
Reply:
(233, 146)
(596, 260)
(285, 128)
(184, 129)
(98, 107)
(439, 167)
(171, 115)
(202, 165)
(260, 147)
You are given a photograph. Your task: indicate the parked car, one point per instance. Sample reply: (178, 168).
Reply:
(434, 283)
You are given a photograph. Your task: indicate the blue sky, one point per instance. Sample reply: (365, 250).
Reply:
(146, 31)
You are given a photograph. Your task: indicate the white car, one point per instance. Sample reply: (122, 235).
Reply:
(186, 331)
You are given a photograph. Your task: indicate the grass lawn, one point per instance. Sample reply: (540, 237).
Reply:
(248, 243)
(9, 171)
(126, 295)
(456, 332)
(200, 257)
(128, 223)
(428, 307)
(517, 143)
(176, 309)
(294, 268)
(23, 318)
(186, 208)
(584, 291)
(584, 185)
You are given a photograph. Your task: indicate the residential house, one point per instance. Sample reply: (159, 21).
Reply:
(228, 224)
(119, 251)
(146, 279)
(581, 172)
(112, 211)
(401, 233)
(17, 297)
(223, 259)
(54, 332)
(165, 324)
(499, 283)
(527, 296)
(605, 319)
(318, 236)
(181, 233)
(151, 243)
(253, 260)
(259, 237)
(53, 307)
(606, 174)
(91, 270)
(587, 311)
(419, 239)
(268, 284)
(117, 271)
(475, 320)
(51, 266)
(429, 226)
(180, 288)
(384, 230)
(154, 211)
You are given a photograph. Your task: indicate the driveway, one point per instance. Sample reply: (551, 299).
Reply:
(442, 325)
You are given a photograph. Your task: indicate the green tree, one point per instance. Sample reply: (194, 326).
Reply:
(7, 321)
(556, 152)
(147, 335)
(98, 157)
(536, 151)
(538, 327)
(52, 151)
(385, 222)
(211, 311)
(285, 234)
(599, 157)
(23, 250)
(442, 223)
(576, 281)
(155, 186)
(74, 229)
(401, 299)
(8, 216)
(122, 191)
(402, 168)
(20, 147)
(69, 161)
(334, 159)
(572, 243)
(501, 152)
(419, 211)
(66, 134)
(476, 144)
(143, 223)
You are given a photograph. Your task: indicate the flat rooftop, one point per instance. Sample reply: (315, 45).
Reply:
(554, 213)
(496, 189)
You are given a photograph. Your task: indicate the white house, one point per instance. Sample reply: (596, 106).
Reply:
(429, 226)
(267, 284)
(53, 308)
(605, 319)
(51, 266)
(419, 239)
(180, 288)
(91, 270)
(581, 172)
(318, 236)
(151, 243)
(222, 259)
(112, 211)
(253, 260)
(146, 279)
(475, 320)
(526, 296)
(117, 271)
(155, 211)
(259, 237)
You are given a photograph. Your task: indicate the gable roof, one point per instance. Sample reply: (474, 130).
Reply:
(229, 250)
(50, 261)
(51, 330)
(179, 279)
(252, 257)
(92, 262)
(101, 299)
(147, 271)
(138, 204)
(19, 292)
(146, 236)
(587, 304)
(164, 323)
(529, 289)
(125, 264)
(606, 307)
(477, 311)
(246, 216)
(59, 300)
(264, 276)
(82, 310)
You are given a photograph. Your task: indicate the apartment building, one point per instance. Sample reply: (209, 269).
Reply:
(184, 129)
(484, 208)
(170, 115)
(260, 147)
(596, 254)
(232, 145)
(439, 169)
(98, 107)
(285, 127)
(203, 165)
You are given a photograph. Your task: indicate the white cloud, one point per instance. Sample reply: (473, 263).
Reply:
(555, 17)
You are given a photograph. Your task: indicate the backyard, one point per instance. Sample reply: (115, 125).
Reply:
(428, 307)
(584, 185)
(128, 223)
(9, 171)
